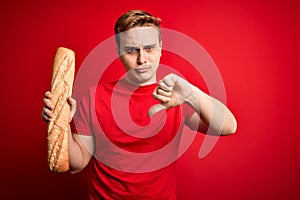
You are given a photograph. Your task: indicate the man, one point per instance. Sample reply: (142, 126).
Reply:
(112, 175)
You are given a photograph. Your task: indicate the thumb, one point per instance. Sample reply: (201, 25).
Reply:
(72, 103)
(156, 108)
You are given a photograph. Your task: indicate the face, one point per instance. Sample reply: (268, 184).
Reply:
(140, 52)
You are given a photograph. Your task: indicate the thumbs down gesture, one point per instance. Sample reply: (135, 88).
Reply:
(172, 91)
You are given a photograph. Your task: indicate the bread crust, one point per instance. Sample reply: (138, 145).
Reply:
(61, 89)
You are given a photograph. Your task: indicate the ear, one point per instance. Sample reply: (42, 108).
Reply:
(118, 51)
(160, 45)
(119, 54)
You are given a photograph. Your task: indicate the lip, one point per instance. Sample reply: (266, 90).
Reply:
(142, 69)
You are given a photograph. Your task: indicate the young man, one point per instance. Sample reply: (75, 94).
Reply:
(112, 175)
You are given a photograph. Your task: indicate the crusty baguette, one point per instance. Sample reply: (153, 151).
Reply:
(61, 89)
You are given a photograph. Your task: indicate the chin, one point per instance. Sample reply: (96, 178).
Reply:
(141, 79)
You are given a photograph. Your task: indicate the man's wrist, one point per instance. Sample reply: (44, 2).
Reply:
(192, 98)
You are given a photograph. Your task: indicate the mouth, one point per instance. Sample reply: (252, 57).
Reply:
(142, 69)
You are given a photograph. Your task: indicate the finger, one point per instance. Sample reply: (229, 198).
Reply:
(46, 119)
(161, 97)
(163, 93)
(48, 103)
(48, 113)
(48, 95)
(169, 80)
(156, 108)
(164, 86)
(72, 103)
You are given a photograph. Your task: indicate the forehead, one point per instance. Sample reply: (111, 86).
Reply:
(139, 36)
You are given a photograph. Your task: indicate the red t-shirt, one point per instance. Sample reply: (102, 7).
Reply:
(134, 155)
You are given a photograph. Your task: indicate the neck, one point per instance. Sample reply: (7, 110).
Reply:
(149, 82)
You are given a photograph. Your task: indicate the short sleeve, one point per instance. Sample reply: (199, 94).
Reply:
(81, 123)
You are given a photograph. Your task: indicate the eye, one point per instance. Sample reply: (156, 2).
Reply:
(131, 50)
(149, 48)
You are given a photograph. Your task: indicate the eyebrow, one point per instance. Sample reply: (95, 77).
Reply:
(136, 47)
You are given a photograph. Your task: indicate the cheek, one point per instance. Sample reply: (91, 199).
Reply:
(155, 58)
(127, 62)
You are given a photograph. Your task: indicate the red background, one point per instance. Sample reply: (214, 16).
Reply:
(255, 45)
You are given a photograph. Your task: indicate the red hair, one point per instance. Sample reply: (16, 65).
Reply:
(133, 19)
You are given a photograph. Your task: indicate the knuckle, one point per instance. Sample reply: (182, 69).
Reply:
(48, 94)
(169, 76)
(46, 112)
(161, 82)
(48, 103)
(154, 94)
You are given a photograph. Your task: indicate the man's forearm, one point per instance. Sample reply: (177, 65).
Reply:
(79, 156)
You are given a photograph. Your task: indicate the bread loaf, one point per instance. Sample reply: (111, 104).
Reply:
(61, 89)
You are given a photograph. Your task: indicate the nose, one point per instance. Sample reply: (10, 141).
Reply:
(141, 58)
